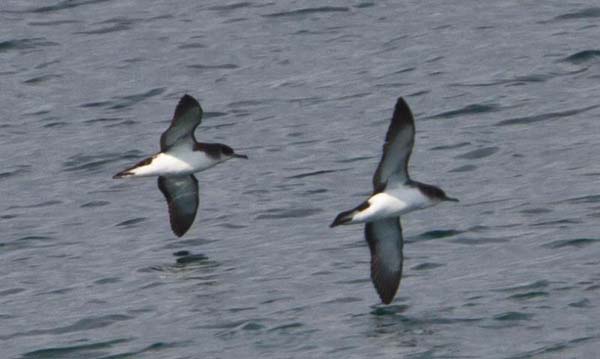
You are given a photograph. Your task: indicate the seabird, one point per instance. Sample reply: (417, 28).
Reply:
(394, 194)
(179, 158)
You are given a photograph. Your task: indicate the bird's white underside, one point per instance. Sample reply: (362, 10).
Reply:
(393, 202)
(176, 162)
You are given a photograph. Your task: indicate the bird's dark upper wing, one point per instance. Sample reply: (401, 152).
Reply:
(188, 115)
(181, 194)
(397, 148)
(385, 242)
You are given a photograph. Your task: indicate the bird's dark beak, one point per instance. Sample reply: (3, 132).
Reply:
(450, 199)
(240, 156)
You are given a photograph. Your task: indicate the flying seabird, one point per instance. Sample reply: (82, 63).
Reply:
(179, 157)
(394, 194)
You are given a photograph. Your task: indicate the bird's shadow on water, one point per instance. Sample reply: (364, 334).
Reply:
(392, 328)
(390, 324)
(388, 319)
(188, 266)
(185, 261)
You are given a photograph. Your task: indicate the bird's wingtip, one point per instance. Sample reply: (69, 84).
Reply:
(185, 103)
(187, 97)
(385, 300)
(400, 101)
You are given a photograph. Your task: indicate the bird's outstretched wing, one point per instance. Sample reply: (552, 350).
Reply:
(188, 115)
(397, 148)
(181, 194)
(385, 242)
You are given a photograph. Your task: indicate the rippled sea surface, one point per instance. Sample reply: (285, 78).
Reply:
(506, 97)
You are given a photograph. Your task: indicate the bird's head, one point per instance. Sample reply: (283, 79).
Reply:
(435, 194)
(227, 153)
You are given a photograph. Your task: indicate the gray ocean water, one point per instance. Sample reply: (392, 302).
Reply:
(506, 97)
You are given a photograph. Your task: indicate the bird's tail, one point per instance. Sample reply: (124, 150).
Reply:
(343, 218)
(347, 216)
(122, 174)
(130, 172)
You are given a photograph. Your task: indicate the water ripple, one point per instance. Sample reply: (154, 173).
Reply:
(230, 7)
(511, 316)
(213, 67)
(450, 147)
(527, 296)
(152, 348)
(545, 117)
(529, 286)
(553, 348)
(75, 351)
(577, 242)
(468, 110)
(583, 303)
(465, 168)
(66, 4)
(25, 44)
(310, 174)
(591, 12)
(111, 122)
(594, 198)
(130, 100)
(41, 79)
(436, 234)
(37, 205)
(583, 57)
(480, 240)
(514, 81)
(479, 153)
(114, 26)
(20, 170)
(309, 11)
(121, 102)
(53, 22)
(282, 213)
(427, 266)
(131, 222)
(80, 325)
